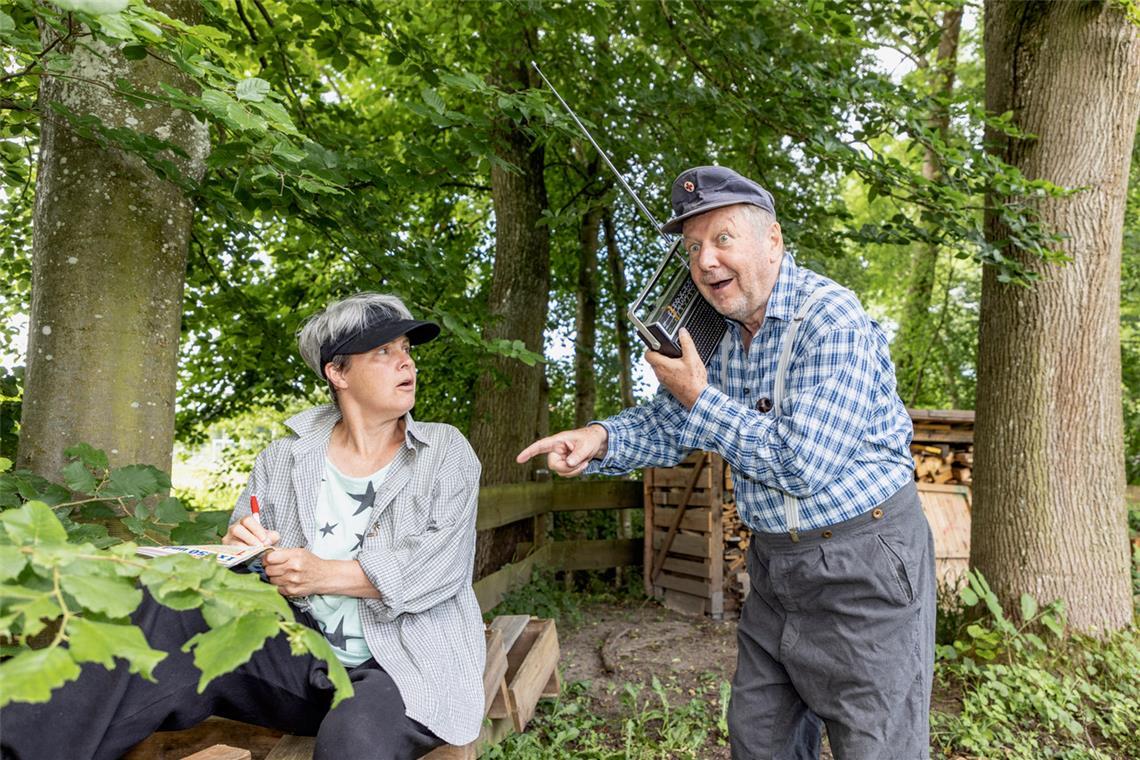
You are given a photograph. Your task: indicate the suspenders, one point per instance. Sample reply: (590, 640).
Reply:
(791, 503)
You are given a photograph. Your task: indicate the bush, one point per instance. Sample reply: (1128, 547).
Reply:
(1074, 697)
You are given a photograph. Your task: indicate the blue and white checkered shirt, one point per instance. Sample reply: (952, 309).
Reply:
(841, 442)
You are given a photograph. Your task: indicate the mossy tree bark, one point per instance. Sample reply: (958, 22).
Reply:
(1049, 515)
(109, 261)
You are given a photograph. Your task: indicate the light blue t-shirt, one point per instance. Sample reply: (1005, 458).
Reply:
(344, 509)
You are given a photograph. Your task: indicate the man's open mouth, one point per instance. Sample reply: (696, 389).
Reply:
(720, 284)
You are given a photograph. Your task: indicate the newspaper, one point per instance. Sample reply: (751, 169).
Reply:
(226, 556)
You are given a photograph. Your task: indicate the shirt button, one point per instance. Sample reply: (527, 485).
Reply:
(764, 405)
(876, 513)
(826, 534)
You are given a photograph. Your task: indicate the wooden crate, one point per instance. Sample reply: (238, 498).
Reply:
(947, 509)
(690, 509)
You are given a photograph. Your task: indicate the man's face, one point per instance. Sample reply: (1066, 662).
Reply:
(733, 264)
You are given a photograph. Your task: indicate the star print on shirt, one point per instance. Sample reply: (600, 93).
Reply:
(359, 542)
(328, 529)
(337, 637)
(366, 499)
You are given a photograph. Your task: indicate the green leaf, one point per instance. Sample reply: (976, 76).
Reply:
(114, 597)
(287, 151)
(12, 561)
(33, 523)
(135, 481)
(79, 478)
(5, 462)
(114, 25)
(134, 52)
(239, 115)
(171, 511)
(433, 99)
(227, 647)
(92, 641)
(94, 458)
(252, 89)
(6, 22)
(1028, 607)
(31, 676)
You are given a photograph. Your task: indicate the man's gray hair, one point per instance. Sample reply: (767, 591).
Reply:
(759, 218)
(341, 318)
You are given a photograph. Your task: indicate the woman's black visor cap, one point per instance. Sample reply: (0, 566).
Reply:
(377, 332)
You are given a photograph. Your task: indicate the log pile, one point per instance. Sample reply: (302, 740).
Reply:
(943, 446)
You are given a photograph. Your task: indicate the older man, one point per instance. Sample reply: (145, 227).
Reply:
(800, 399)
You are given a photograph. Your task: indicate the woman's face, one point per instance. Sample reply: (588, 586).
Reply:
(381, 381)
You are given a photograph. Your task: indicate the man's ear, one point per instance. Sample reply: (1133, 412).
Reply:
(775, 240)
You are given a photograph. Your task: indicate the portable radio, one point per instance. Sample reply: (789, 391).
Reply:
(679, 304)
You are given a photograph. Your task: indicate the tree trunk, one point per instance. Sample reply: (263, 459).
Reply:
(1049, 516)
(621, 302)
(505, 417)
(915, 333)
(506, 414)
(108, 264)
(586, 322)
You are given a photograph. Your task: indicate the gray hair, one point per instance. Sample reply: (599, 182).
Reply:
(760, 218)
(341, 318)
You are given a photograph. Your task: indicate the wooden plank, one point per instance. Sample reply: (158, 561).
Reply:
(594, 554)
(672, 497)
(675, 477)
(510, 627)
(494, 671)
(688, 567)
(647, 538)
(293, 748)
(691, 586)
(491, 589)
(692, 544)
(449, 752)
(503, 505)
(944, 436)
(576, 495)
(168, 745)
(221, 752)
(918, 416)
(684, 603)
(696, 519)
(532, 661)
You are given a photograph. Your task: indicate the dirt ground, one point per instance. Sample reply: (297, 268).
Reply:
(620, 643)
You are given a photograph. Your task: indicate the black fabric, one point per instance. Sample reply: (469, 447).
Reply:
(377, 331)
(104, 713)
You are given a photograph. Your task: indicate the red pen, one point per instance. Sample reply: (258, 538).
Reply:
(256, 509)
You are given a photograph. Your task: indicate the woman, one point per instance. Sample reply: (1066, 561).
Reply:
(372, 519)
(372, 516)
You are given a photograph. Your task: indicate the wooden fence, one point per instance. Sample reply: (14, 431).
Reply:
(503, 505)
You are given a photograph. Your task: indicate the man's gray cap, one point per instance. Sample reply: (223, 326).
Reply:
(704, 188)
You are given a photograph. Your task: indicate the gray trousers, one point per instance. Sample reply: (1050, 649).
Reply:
(838, 630)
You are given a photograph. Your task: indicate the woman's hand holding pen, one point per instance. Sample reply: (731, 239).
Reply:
(248, 531)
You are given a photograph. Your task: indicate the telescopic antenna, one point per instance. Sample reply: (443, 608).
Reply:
(602, 153)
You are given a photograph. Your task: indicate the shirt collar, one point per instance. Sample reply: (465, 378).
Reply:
(782, 301)
(315, 425)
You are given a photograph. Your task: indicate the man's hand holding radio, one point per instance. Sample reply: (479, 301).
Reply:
(685, 377)
(569, 451)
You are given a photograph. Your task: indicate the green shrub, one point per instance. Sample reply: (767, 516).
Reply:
(1021, 697)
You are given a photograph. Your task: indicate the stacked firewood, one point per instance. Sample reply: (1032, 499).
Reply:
(943, 446)
(735, 552)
